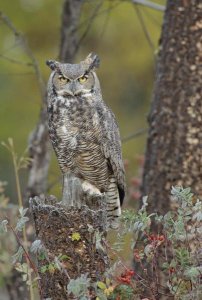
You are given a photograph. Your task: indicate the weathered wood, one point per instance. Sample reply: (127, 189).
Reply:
(39, 146)
(56, 226)
(173, 154)
(69, 29)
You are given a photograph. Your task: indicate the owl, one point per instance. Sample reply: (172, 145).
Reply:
(84, 132)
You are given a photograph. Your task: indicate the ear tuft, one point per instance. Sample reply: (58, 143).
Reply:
(93, 60)
(52, 64)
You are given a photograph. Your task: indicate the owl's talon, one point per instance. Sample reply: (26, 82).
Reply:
(91, 190)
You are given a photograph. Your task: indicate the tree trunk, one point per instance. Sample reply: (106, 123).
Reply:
(69, 32)
(173, 154)
(39, 151)
(73, 240)
(39, 146)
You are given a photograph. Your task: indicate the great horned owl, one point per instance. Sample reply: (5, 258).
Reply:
(84, 132)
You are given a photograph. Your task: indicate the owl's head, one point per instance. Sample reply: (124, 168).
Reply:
(74, 79)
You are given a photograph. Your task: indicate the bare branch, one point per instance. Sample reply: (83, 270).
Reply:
(99, 13)
(18, 74)
(149, 4)
(144, 28)
(69, 38)
(134, 135)
(16, 61)
(90, 21)
(9, 24)
(27, 50)
(107, 17)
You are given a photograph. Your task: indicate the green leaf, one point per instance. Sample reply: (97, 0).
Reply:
(17, 257)
(24, 277)
(101, 285)
(3, 226)
(44, 269)
(36, 247)
(23, 211)
(79, 287)
(62, 257)
(192, 273)
(22, 268)
(51, 268)
(21, 223)
(125, 292)
(183, 257)
(76, 236)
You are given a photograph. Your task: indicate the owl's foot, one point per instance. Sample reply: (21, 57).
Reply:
(91, 190)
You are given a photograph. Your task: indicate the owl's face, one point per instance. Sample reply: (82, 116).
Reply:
(74, 79)
(64, 85)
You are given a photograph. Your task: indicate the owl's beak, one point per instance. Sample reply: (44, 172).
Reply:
(73, 87)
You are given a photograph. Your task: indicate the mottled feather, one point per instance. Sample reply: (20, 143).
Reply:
(84, 132)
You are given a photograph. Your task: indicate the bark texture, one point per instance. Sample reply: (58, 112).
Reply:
(174, 146)
(39, 146)
(56, 226)
(69, 37)
(40, 153)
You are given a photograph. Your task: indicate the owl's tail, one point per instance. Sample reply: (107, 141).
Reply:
(113, 203)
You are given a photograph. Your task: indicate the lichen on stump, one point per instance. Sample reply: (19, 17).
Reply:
(69, 236)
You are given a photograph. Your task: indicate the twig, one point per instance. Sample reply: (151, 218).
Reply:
(149, 4)
(90, 21)
(8, 49)
(16, 61)
(101, 12)
(11, 149)
(27, 50)
(149, 15)
(18, 74)
(25, 251)
(144, 28)
(107, 17)
(134, 135)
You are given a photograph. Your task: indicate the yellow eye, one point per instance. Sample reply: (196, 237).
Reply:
(83, 79)
(63, 79)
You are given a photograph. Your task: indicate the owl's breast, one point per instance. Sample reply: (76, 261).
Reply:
(72, 123)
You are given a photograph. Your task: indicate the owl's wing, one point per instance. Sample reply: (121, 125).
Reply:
(111, 147)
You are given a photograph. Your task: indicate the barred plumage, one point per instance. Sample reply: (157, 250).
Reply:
(84, 132)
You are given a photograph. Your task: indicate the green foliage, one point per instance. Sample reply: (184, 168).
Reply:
(36, 247)
(17, 257)
(122, 292)
(174, 252)
(26, 272)
(6, 227)
(22, 219)
(52, 266)
(3, 226)
(101, 285)
(75, 236)
(79, 287)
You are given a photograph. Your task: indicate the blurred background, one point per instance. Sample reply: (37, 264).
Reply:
(124, 35)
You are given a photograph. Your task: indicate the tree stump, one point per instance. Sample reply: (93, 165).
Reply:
(70, 237)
